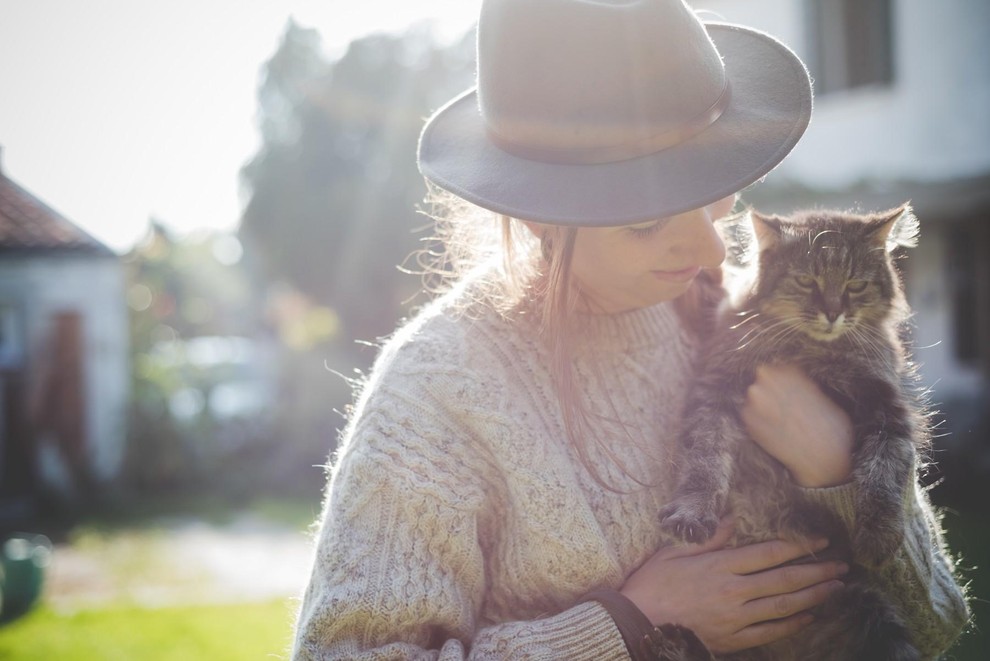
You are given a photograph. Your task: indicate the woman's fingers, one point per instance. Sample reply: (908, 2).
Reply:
(767, 632)
(789, 416)
(787, 604)
(765, 555)
(733, 598)
(791, 578)
(782, 614)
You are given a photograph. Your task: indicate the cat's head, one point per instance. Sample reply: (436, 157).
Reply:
(828, 273)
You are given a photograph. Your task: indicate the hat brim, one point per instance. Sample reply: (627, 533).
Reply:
(769, 110)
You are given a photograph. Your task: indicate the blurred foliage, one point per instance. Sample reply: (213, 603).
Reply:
(334, 188)
(178, 290)
(229, 389)
(276, 321)
(187, 288)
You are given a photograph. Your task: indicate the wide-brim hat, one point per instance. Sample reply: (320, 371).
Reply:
(604, 113)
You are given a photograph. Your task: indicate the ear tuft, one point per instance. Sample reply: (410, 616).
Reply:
(895, 228)
(906, 229)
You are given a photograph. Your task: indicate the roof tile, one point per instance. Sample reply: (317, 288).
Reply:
(28, 224)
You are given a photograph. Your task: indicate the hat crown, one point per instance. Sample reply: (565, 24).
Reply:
(595, 81)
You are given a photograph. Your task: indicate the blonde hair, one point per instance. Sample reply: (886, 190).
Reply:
(508, 263)
(494, 251)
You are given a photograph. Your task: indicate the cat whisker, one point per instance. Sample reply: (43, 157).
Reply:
(777, 331)
(813, 240)
(781, 335)
(864, 343)
(872, 343)
(751, 317)
(881, 348)
(758, 331)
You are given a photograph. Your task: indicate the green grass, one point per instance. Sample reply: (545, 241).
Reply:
(128, 540)
(968, 536)
(262, 630)
(229, 632)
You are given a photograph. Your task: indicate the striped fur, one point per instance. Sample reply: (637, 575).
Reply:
(827, 297)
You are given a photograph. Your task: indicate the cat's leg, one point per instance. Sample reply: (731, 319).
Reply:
(858, 624)
(803, 521)
(883, 472)
(671, 642)
(705, 475)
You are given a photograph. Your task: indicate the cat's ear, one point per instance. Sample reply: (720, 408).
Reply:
(767, 229)
(895, 228)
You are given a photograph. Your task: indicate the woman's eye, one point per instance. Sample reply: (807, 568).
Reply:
(645, 230)
(856, 286)
(805, 281)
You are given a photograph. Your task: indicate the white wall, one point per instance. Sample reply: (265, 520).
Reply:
(93, 287)
(932, 124)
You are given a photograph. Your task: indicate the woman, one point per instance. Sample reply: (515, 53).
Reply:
(496, 491)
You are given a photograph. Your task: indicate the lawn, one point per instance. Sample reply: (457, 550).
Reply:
(123, 630)
(968, 536)
(179, 633)
(143, 583)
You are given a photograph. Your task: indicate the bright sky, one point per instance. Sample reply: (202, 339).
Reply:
(112, 111)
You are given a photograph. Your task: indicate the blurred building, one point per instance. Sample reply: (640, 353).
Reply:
(63, 355)
(902, 112)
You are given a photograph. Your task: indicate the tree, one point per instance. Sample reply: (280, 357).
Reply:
(179, 290)
(334, 188)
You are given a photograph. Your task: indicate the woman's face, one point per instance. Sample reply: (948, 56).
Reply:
(634, 266)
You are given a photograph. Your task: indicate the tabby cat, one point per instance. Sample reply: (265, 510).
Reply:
(825, 296)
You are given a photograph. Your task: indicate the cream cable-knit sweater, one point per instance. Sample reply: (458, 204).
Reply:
(459, 524)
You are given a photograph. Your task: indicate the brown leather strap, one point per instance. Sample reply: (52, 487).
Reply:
(629, 620)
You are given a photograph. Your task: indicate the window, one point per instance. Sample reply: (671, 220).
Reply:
(851, 43)
(11, 342)
(969, 261)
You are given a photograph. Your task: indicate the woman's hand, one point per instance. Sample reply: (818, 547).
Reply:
(789, 416)
(733, 599)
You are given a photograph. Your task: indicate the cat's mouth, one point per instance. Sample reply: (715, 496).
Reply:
(826, 329)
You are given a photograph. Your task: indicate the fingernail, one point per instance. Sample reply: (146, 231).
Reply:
(843, 568)
(835, 586)
(821, 543)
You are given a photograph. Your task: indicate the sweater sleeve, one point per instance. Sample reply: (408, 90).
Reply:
(399, 569)
(920, 576)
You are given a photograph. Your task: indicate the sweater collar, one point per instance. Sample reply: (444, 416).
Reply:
(647, 327)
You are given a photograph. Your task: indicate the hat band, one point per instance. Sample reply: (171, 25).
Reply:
(614, 153)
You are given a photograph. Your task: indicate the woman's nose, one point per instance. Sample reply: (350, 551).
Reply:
(696, 240)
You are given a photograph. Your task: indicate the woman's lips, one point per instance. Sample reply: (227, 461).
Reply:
(681, 276)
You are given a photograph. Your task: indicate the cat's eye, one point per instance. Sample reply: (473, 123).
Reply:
(805, 281)
(856, 286)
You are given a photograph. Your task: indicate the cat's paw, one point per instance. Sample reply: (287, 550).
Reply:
(688, 523)
(672, 642)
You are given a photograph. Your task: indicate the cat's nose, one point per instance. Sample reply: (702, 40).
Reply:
(831, 305)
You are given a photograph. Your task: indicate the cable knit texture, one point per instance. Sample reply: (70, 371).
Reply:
(459, 523)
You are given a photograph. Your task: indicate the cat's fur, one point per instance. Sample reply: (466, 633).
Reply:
(827, 298)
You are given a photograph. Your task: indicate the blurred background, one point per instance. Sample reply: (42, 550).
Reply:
(205, 210)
